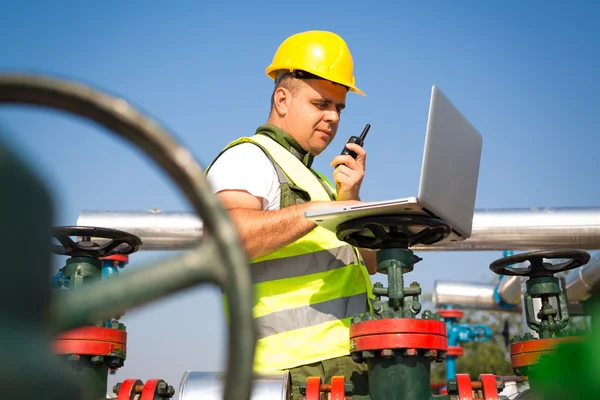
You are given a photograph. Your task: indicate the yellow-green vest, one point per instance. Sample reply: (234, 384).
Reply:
(306, 293)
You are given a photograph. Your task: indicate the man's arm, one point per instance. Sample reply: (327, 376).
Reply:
(262, 232)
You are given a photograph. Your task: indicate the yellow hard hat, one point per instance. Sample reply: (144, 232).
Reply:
(320, 53)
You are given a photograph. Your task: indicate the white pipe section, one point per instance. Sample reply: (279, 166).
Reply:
(501, 229)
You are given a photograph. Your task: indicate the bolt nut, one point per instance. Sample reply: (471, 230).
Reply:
(431, 353)
(117, 388)
(368, 354)
(441, 356)
(161, 388)
(452, 386)
(409, 352)
(348, 389)
(427, 314)
(74, 357)
(97, 360)
(358, 358)
(516, 339)
(500, 383)
(302, 388)
(388, 353)
(114, 362)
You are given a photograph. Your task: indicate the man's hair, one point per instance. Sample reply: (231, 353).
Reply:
(286, 81)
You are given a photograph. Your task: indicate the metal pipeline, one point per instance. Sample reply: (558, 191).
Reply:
(582, 282)
(508, 291)
(493, 230)
(159, 230)
(468, 295)
(209, 386)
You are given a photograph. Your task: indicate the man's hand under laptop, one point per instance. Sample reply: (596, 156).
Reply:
(262, 232)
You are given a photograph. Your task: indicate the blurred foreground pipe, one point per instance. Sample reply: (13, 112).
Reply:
(500, 229)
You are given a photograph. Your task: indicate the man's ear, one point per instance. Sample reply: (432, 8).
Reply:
(281, 98)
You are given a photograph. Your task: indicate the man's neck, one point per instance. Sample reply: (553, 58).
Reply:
(278, 134)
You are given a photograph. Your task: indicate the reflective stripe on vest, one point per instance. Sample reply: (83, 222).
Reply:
(307, 292)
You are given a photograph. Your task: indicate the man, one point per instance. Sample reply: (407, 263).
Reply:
(308, 285)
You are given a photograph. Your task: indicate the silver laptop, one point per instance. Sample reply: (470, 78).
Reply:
(449, 175)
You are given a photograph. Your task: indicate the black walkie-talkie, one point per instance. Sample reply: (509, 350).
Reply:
(358, 140)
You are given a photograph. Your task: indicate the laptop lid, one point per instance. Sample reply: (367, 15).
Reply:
(450, 168)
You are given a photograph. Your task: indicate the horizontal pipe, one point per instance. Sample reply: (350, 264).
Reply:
(498, 229)
(509, 290)
(159, 230)
(530, 229)
(478, 296)
(582, 282)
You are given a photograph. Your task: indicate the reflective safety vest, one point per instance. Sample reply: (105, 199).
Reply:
(306, 293)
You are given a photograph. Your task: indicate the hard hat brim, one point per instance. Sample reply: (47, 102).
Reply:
(272, 73)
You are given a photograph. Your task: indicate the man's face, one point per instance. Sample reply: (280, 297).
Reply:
(313, 115)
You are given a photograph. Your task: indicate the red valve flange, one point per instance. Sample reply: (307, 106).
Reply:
(91, 340)
(457, 314)
(527, 352)
(116, 257)
(338, 388)
(489, 388)
(129, 389)
(313, 388)
(150, 390)
(465, 389)
(455, 351)
(398, 333)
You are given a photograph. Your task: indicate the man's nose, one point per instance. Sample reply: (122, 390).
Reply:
(332, 116)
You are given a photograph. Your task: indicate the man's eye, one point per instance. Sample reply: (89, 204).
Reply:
(321, 106)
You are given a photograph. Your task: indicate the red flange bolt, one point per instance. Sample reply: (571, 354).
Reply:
(339, 389)
(153, 389)
(487, 387)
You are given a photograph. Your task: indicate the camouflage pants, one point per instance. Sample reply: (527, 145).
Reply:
(344, 366)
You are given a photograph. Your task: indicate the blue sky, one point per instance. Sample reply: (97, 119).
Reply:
(525, 74)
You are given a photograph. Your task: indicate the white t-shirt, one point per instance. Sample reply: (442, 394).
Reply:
(246, 167)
